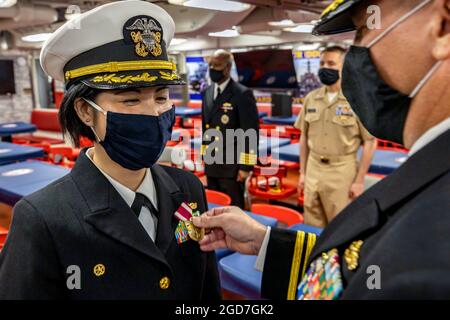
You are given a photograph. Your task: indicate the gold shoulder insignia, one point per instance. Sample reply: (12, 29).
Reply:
(351, 255)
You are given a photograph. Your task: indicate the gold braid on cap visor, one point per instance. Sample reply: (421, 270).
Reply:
(333, 6)
(110, 67)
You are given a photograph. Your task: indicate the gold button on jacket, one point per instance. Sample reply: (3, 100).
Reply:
(164, 283)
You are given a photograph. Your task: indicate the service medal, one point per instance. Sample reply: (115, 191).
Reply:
(184, 214)
(225, 119)
(195, 233)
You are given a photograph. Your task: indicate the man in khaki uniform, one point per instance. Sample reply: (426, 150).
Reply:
(331, 136)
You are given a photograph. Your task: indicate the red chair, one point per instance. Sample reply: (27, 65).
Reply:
(217, 197)
(193, 133)
(45, 146)
(267, 129)
(85, 143)
(293, 133)
(3, 234)
(199, 174)
(195, 104)
(45, 120)
(26, 139)
(288, 132)
(390, 146)
(285, 215)
(191, 122)
(177, 123)
(171, 143)
(264, 190)
(63, 156)
(283, 163)
(301, 199)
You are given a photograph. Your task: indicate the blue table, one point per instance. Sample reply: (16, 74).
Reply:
(186, 112)
(266, 144)
(262, 114)
(196, 143)
(280, 120)
(175, 135)
(287, 153)
(384, 161)
(8, 129)
(238, 274)
(267, 221)
(10, 152)
(23, 178)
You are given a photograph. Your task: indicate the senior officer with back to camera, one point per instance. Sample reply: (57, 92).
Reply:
(397, 81)
(118, 221)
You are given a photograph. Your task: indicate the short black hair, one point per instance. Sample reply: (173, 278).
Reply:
(338, 49)
(70, 123)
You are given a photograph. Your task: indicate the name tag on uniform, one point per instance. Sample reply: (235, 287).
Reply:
(226, 106)
(344, 110)
(311, 110)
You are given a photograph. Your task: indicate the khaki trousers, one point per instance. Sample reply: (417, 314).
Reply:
(327, 189)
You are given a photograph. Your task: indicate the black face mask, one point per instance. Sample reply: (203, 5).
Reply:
(382, 109)
(328, 76)
(216, 75)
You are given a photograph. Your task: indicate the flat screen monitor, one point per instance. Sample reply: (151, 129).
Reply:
(271, 68)
(7, 81)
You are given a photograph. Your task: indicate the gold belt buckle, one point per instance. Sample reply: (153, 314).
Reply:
(324, 160)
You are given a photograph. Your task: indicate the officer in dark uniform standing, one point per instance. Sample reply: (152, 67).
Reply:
(227, 107)
(393, 242)
(117, 226)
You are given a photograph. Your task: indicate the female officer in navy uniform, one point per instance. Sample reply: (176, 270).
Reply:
(108, 229)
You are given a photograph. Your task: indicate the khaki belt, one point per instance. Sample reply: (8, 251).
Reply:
(332, 159)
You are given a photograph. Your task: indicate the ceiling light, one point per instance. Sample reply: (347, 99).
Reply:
(177, 41)
(282, 23)
(219, 5)
(286, 47)
(3, 44)
(236, 50)
(7, 3)
(39, 37)
(228, 33)
(301, 28)
(308, 46)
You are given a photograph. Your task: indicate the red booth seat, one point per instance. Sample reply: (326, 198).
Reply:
(46, 120)
(3, 234)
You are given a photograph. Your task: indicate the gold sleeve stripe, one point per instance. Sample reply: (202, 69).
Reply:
(247, 159)
(293, 280)
(310, 245)
(203, 149)
(116, 66)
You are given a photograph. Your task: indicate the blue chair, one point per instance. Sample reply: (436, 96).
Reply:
(238, 275)
(237, 272)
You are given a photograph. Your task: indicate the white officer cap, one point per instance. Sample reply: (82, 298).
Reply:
(114, 46)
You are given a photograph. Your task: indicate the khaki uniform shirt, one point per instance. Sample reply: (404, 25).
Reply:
(332, 128)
